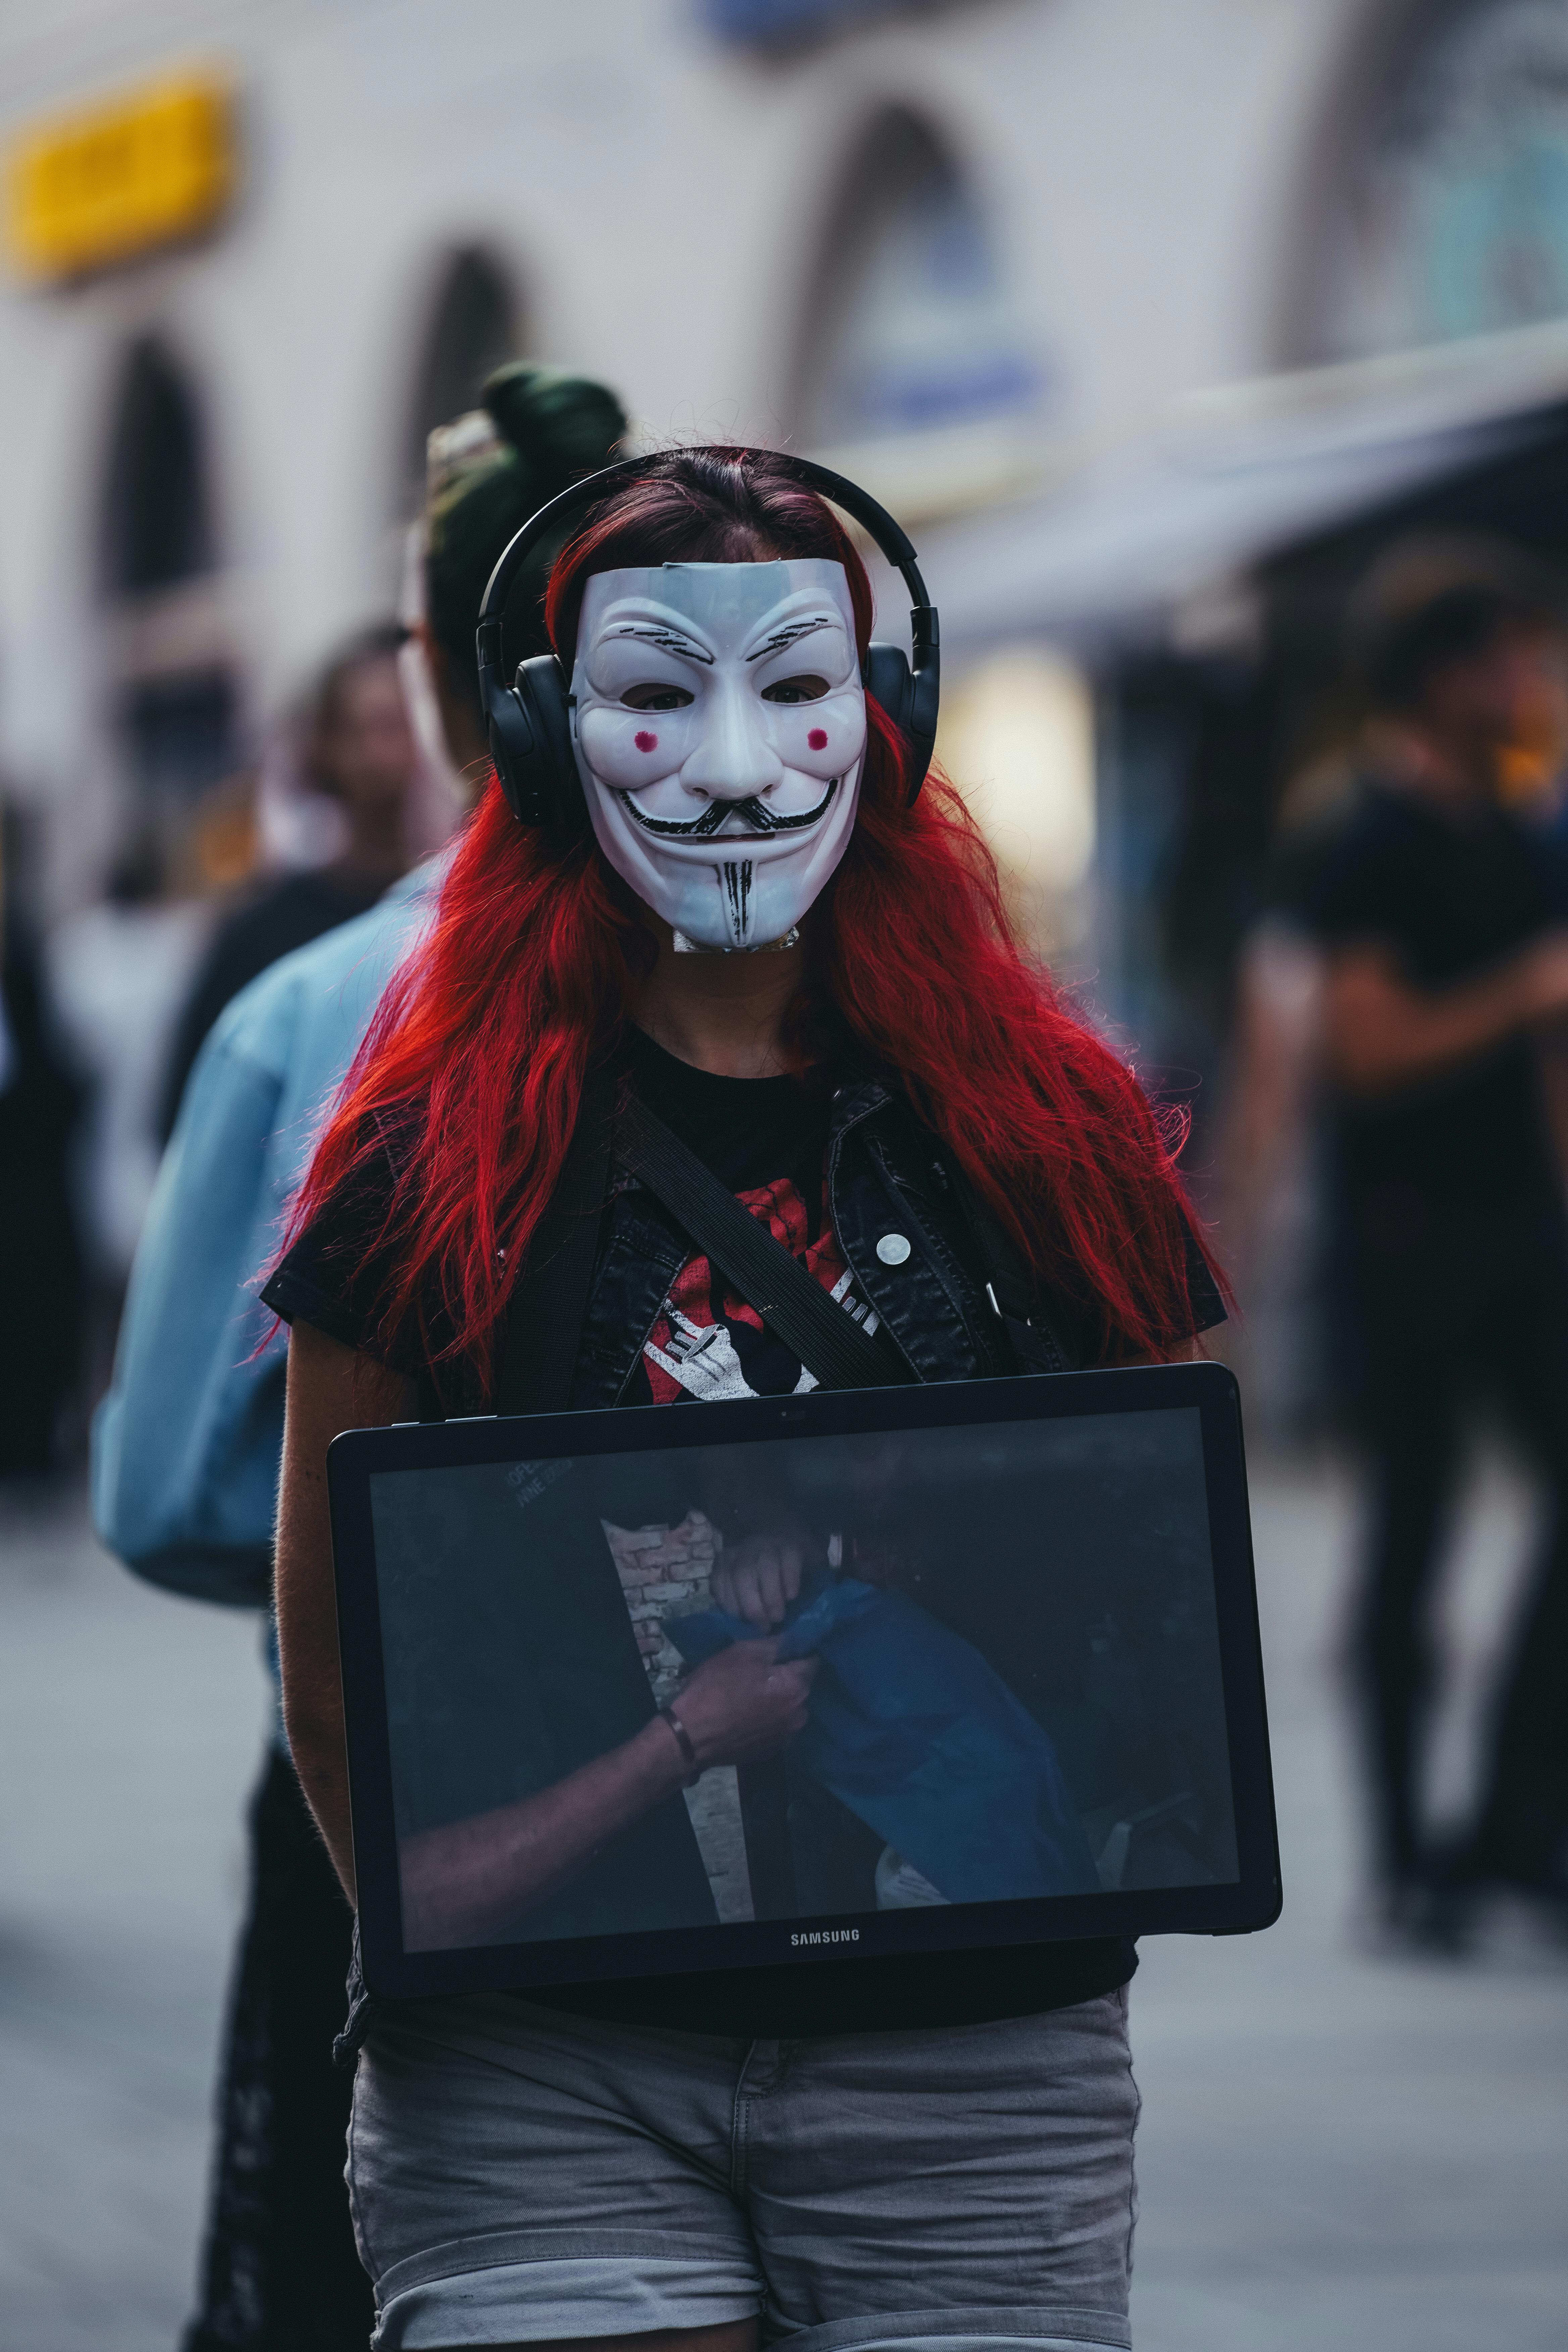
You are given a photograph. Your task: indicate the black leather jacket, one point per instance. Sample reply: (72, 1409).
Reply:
(954, 1306)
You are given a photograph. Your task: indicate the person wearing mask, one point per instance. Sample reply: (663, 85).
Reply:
(356, 752)
(747, 921)
(186, 1446)
(1442, 921)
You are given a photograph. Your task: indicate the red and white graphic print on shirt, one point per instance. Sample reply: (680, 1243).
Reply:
(711, 1348)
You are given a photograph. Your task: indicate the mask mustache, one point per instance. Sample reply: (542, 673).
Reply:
(759, 817)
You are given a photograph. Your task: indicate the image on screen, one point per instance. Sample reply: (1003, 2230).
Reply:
(1014, 1685)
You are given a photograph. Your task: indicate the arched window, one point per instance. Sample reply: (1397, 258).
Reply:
(157, 517)
(474, 325)
(174, 693)
(1454, 220)
(912, 325)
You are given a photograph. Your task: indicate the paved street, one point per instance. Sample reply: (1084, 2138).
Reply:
(1335, 2151)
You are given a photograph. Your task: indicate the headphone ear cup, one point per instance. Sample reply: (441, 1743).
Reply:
(531, 743)
(910, 698)
(887, 681)
(543, 693)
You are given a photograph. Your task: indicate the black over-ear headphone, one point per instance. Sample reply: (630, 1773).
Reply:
(529, 722)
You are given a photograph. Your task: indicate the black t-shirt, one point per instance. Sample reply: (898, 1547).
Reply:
(1452, 900)
(766, 1139)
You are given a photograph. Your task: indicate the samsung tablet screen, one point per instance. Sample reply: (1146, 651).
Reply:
(1007, 1681)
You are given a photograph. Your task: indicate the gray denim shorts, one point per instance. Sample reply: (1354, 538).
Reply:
(518, 2174)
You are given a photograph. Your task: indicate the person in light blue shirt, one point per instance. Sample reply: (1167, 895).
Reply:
(187, 1444)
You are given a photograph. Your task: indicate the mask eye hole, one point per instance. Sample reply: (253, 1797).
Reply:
(805, 686)
(655, 695)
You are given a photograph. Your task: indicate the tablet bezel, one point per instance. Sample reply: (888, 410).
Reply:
(1250, 1902)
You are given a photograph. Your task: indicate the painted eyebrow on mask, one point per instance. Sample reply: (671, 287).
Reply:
(792, 631)
(668, 640)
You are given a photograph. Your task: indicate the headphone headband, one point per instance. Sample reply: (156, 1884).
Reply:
(873, 518)
(527, 720)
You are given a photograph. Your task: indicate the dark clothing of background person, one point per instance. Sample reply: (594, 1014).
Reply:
(1451, 897)
(280, 2267)
(40, 1249)
(287, 915)
(1451, 1266)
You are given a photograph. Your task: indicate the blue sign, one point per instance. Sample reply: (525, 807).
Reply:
(783, 20)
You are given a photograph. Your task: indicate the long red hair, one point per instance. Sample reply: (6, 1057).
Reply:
(472, 1070)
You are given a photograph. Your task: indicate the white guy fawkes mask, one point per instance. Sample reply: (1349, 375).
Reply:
(719, 725)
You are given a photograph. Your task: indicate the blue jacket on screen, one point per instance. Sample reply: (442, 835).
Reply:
(913, 1730)
(186, 1445)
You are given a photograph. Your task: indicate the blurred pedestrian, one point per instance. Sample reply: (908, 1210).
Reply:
(186, 1449)
(40, 1263)
(116, 975)
(1267, 1187)
(357, 752)
(1442, 917)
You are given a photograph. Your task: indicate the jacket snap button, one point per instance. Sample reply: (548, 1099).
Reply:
(892, 1249)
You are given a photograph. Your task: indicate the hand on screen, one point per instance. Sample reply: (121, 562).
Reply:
(758, 1577)
(745, 1704)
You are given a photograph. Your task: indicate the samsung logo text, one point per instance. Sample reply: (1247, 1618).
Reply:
(828, 1935)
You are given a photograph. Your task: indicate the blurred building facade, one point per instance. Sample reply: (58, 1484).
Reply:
(993, 256)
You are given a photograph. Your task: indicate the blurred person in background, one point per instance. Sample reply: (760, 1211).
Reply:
(357, 751)
(40, 1263)
(1441, 914)
(1267, 1185)
(186, 1448)
(116, 975)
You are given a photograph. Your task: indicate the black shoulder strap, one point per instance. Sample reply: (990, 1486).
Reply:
(828, 1342)
(544, 1322)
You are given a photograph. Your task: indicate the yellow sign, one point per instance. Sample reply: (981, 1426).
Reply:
(106, 183)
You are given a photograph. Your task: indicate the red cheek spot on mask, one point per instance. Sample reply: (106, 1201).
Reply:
(817, 739)
(647, 742)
